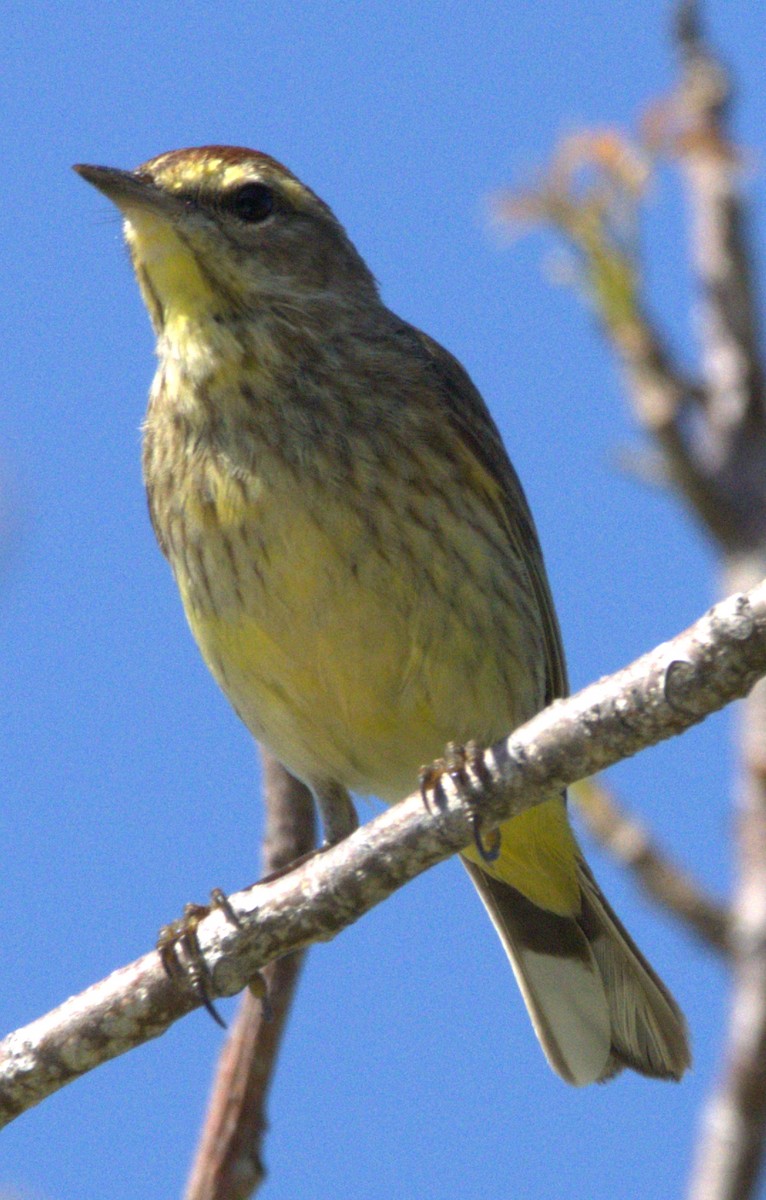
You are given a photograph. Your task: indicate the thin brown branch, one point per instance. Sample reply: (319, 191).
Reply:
(715, 661)
(664, 881)
(228, 1164)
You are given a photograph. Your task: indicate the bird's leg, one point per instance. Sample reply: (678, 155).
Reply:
(456, 763)
(336, 808)
(339, 819)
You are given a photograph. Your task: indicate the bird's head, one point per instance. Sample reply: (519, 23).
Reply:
(217, 232)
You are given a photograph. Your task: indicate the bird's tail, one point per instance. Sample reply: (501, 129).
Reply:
(595, 1003)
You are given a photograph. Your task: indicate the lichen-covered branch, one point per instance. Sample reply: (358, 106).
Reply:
(716, 660)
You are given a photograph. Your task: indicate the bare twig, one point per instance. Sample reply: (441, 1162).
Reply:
(716, 660)
(590, 194)
(662, 879)
(228, 1163)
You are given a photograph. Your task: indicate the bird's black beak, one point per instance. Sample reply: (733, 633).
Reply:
(126, 189)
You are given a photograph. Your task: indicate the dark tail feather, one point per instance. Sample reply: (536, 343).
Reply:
(595, 1003)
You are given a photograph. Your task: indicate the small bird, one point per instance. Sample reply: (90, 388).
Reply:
(357, 560)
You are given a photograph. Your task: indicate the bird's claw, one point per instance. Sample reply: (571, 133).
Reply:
(189, 964)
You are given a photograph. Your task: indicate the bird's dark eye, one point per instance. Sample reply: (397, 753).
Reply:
(251, 202)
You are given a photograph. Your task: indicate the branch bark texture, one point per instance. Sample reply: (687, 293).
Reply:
(715, 661)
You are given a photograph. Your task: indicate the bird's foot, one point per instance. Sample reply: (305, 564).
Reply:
(179, 950)
(456, 764)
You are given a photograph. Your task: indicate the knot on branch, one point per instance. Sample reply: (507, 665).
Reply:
(681, 688)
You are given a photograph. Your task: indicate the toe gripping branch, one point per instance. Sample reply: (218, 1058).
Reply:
(190, 965)
(459, 763)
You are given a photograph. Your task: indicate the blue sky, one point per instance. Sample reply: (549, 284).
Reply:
(129, 787)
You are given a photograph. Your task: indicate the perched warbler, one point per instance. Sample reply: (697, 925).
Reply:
(357, 560)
